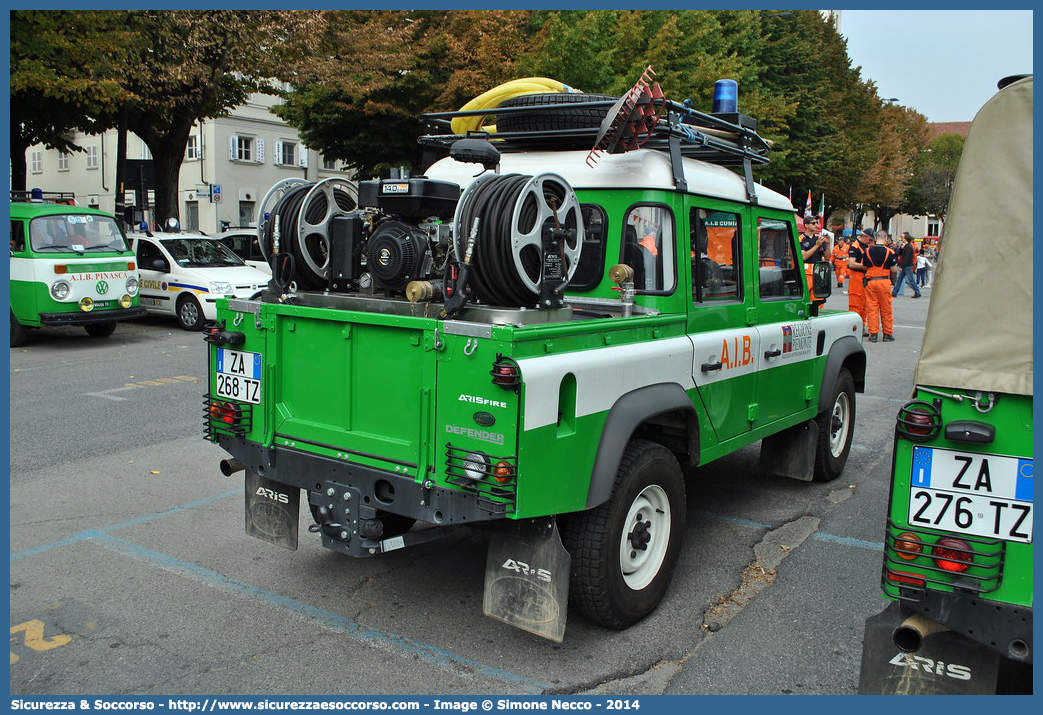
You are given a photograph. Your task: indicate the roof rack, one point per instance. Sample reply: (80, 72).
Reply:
(724, 139)
(51, 197)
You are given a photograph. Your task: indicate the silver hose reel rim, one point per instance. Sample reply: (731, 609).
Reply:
(268, 203)
(321, 229)
(520, 240)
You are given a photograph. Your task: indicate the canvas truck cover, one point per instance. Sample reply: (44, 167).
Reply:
(979, 325)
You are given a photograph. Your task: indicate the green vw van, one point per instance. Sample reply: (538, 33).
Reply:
(70, 265)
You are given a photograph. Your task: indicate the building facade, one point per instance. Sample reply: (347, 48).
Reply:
(230, 164)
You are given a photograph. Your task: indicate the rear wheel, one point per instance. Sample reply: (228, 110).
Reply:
(189, 313)
(101, 330)
(624, 551)
(19, 332)
(836, 428)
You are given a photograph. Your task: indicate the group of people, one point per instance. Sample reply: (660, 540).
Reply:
(866, 263)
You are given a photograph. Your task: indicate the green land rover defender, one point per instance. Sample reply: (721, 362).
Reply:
(532, 339)
(958, 544)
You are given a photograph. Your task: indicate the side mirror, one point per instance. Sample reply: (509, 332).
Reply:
(822, 280)
(158, 264)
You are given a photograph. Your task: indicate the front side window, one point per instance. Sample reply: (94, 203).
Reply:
(781, 274)
(715, 254)
(75, 232)
(648, 248)
(17, 236)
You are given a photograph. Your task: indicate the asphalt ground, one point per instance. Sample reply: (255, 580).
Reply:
(127, 546)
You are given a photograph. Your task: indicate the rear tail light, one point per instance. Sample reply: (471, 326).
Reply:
(227, 412)
(506, 373)
(952, 554)
(920, 421)
(905, 578)
(908, 546)
(503, 472)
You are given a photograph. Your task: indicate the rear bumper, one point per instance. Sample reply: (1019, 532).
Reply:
(946, 662)
(101, 316)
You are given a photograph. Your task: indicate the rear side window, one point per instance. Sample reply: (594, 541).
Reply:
(716, 256)
(781, 275)
(648, 248)
(592, 258)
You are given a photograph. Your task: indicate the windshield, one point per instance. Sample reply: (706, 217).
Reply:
(198, 252)
(81, 233)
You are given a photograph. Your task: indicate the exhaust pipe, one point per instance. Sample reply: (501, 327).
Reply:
(909, 636)
(231, 466)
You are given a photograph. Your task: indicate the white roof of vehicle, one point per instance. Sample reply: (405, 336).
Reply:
(638, 169)
(979, 325)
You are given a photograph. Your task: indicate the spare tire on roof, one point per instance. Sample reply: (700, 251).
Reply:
(557, 118)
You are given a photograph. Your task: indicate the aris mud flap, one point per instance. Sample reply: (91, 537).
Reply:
(945, 664)
(272, 510)
(527, 580)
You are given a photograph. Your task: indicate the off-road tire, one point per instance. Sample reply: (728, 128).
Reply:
(189, 313)
(19, 333)
(101, 330)
(616, 587)
(836, 429)
(555, 119)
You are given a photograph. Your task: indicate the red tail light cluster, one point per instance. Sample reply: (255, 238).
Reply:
(227, 412)
(506, 373)
(952, 554)
(920, 421)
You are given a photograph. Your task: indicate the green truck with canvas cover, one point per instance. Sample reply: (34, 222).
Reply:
(958, 556)
(531, 340)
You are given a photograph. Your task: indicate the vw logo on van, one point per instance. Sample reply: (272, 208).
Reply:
(102, 287)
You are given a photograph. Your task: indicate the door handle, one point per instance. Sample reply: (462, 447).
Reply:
(772, 353)
(711, 366)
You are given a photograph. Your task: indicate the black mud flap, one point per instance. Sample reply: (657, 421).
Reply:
(272, 510)
(946, 664)
(527, 582)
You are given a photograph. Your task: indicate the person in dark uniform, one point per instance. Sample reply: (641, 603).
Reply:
(812, 247)
(856, 297)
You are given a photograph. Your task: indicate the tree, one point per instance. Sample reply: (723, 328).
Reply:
(193, 65)
(933, 176)
(361, 103)
(65, 75)
(902, 136)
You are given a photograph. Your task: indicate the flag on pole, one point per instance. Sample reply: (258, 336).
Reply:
(807, 205)
(822, 208)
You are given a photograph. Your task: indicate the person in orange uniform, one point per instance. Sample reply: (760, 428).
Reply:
(856, 298)
(840, 261)
(880, 263)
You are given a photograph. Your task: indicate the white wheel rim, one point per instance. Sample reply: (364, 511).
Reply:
(839, 425)
(648, 522)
